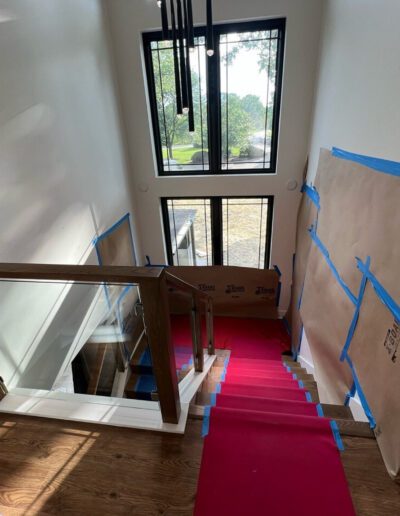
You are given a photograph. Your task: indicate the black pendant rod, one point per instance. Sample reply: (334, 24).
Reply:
(190, 23)
(210, 33)
(188, 69)
(164, 19)
(182, 60)
(176, 61)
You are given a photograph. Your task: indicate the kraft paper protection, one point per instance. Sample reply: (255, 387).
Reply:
(236, 291)
(375, 353)
(359, 217)
(307, 215)
(326, 312)
(116, 247)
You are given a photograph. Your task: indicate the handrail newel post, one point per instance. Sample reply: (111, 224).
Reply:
(197, 341)
(154, 296)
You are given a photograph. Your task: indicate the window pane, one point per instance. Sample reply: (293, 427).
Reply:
(190, 226)
(248, 82)
(182, 151)
(245, 223)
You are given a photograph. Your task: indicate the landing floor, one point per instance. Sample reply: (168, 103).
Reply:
(54, 467)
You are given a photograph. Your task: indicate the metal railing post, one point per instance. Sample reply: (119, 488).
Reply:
(198, 354)
(210, 328)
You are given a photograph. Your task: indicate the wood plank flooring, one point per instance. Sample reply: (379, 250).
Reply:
(53, 467)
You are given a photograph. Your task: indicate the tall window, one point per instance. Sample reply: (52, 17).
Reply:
(218, 231)
(236, 96)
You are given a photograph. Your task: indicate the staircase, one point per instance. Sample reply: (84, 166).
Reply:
(247, 396)
(340, 413)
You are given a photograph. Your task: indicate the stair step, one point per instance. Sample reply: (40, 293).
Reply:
(355, 428)
(337, 411)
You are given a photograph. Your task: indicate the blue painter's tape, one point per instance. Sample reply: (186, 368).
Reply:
(206, 421)
(149, 264)
(294, 376)
(336, 435)
(354, 321)
(350, 395)
(111, 229)
(320, 412)
(286, 324)
(308, 397)
(300, 297)
(380, 165)
(299, 343)
(312, 194)
(325, 252)
(383, 295)
(301, 384)
(361, 395)
(213, 399)
(218, 389)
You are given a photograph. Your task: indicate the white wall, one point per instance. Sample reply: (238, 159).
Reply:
(62, 165)
(357, 102)
(127, 20)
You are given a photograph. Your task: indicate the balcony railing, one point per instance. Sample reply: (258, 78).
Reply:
(154, 288)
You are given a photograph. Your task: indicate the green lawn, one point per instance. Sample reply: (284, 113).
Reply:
(183, 155)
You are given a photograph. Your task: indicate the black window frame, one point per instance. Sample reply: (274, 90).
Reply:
(214, 97)
(217, 224)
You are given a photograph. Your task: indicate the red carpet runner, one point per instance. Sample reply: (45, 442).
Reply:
(267, 450)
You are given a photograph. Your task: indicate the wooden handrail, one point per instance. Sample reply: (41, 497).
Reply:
(196, 331)
(184, 285)
(80, 273)
(153, 283)
(154, 297)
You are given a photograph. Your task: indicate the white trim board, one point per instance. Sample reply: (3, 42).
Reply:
(123, 412)
(192, 381)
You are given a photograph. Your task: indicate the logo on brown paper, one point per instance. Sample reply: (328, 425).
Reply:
(392, 341)
(206, 288)
(264, 291)
(234, 289)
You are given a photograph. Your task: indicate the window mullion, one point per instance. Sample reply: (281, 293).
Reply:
(216, 230)
(214, 125)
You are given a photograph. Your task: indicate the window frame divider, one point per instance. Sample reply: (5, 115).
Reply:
(214, 98)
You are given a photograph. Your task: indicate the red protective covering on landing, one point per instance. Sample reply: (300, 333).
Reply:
(271, 464)
(261, 391)
(259, 373)
(268, 382)
(254, 363)
(303, 408)
(257, 338)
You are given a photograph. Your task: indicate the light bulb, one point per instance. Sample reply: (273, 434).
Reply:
(185, 110)
(159, 3)
(210, 52)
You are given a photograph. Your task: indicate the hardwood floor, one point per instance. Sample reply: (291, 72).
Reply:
(50, 467)
(53, 467)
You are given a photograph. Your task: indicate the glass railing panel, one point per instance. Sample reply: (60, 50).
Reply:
(74, 337)
(181, 329)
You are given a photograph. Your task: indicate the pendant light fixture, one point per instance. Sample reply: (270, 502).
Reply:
(182, 33)
(210, 33)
